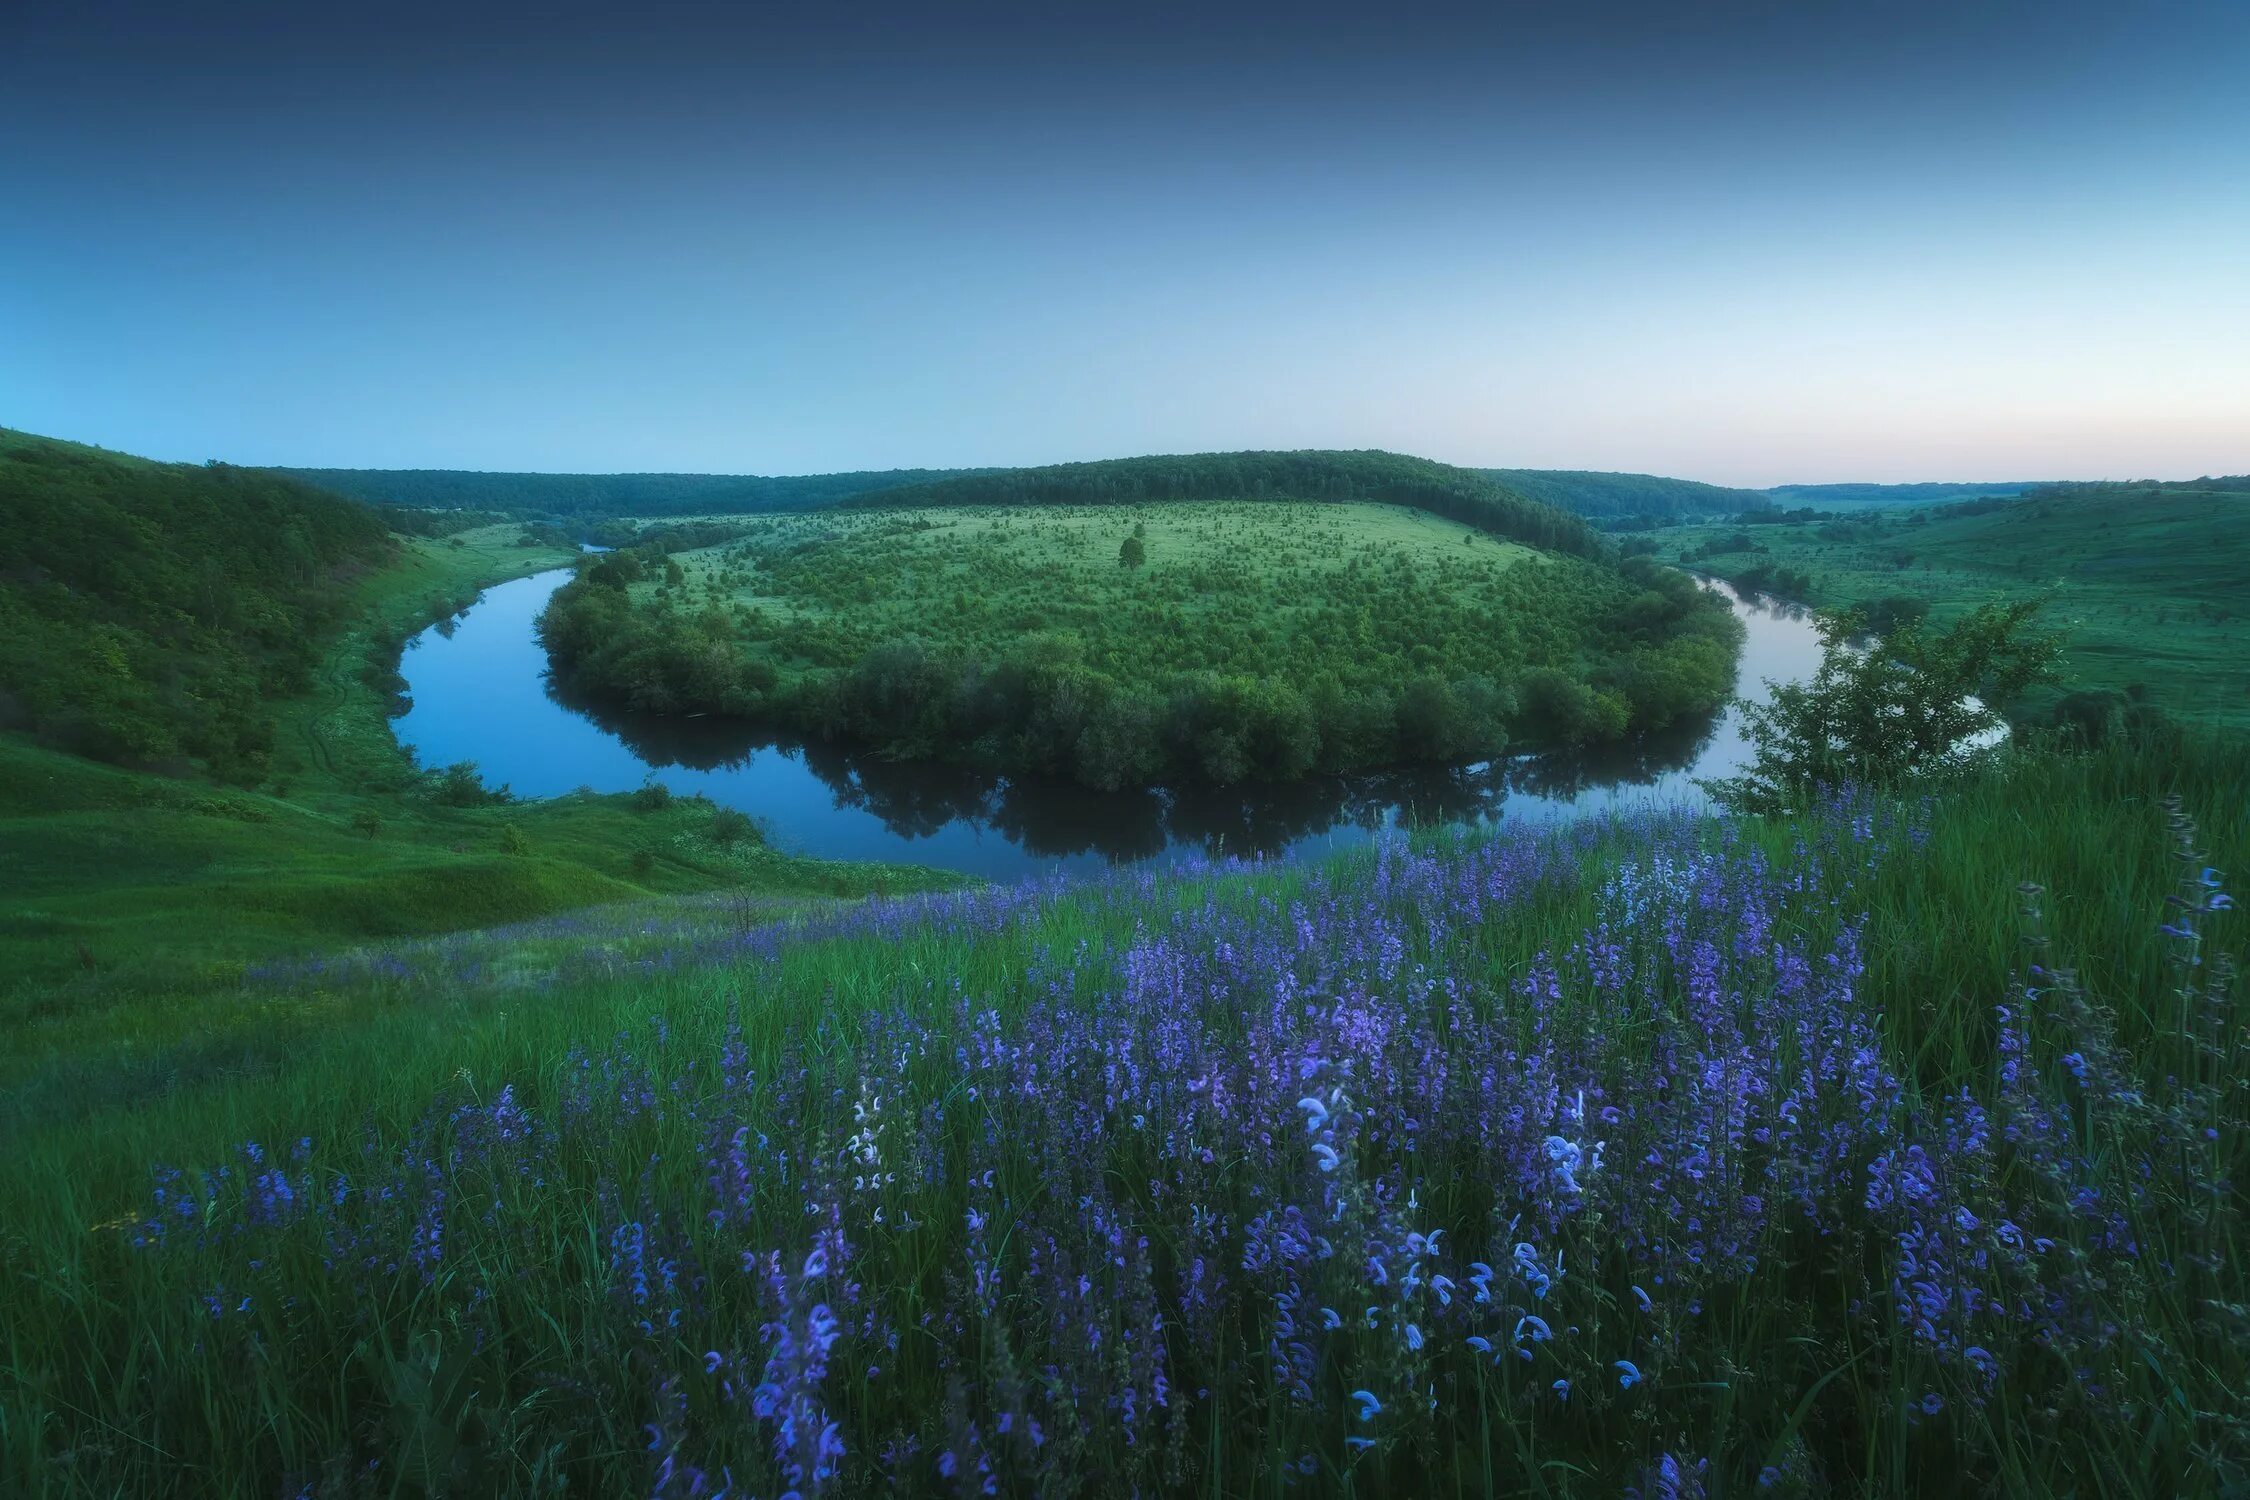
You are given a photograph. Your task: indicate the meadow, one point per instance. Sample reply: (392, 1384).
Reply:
(2147, 588)
(1889, 1147)
(1135, 642)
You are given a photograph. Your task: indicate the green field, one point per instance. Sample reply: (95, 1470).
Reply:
(2146, 588)
(1267, 637)
(1221, 586)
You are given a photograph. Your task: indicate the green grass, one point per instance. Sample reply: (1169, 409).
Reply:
(1254, 574)
(2149, 589)
(97, 1335)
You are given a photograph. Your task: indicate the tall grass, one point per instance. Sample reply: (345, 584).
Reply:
(1670, 1154)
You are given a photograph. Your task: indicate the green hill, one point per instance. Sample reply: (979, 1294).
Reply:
(1465, 495)
(2145, 583)
(607, 494)
(147, 609)
(1587, 492)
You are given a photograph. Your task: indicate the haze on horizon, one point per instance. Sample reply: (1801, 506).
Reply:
(1744, 243)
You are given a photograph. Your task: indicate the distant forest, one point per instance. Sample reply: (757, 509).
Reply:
(146, 608)
(1932, 493)
(1605, 496)
(2221, 484)
(1610, 500)
(570, 495)
(1465, 495)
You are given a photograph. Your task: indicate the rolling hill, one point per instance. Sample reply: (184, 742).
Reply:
(1587, 492)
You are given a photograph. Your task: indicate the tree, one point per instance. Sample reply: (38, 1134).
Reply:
(1132, 554)
(1906, 706)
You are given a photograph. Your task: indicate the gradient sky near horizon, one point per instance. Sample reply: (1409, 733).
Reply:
(1746, 243)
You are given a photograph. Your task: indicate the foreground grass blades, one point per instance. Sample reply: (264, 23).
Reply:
(1659, 1153)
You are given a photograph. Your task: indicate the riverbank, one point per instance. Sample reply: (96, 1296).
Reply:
(120, 882)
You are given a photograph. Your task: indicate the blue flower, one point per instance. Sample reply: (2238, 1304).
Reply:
(1368, 1405)
(1326, 1154)
(1628, 1374)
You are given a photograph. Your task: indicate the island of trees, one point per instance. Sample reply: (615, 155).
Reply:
(1152, 621)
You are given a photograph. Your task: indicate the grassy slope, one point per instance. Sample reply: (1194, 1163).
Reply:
(114, 877)
(2148, 590)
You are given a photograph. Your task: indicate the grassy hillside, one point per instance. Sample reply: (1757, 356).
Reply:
(1530, 1165)
(1131, 643)
(2147, 586)
(173, 603)
(147, 611)
(1587, 493)
(572, 495)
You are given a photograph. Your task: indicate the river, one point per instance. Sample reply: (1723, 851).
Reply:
(479, 692)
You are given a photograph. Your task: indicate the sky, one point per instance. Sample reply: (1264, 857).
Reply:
(1750, 243)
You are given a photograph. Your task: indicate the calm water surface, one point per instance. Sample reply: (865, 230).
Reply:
(479, 691)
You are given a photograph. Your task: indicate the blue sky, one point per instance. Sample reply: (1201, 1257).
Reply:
(1744, 243)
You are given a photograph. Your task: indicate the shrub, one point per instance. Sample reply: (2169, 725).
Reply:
(458, 785)
(730, 826)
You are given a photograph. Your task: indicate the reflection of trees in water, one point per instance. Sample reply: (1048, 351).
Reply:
(1636, 762)
(1055, 819)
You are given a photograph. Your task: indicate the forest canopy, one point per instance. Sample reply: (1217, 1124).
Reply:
(1605, 496)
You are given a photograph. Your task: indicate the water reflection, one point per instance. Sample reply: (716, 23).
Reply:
(479, 692)
(1057, 819)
